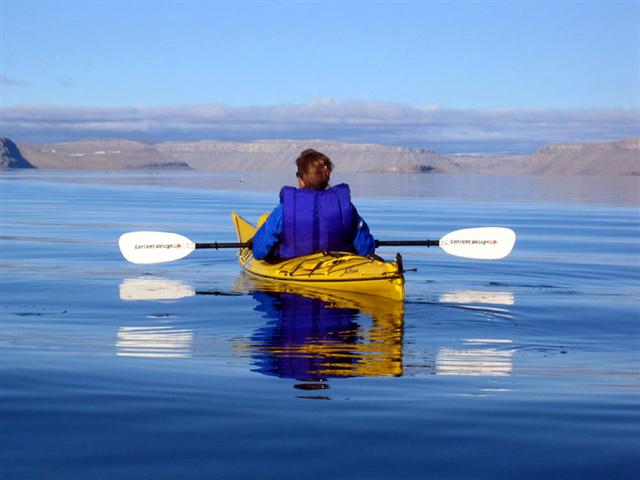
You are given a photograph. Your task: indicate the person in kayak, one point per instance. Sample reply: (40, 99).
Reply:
(313, 217)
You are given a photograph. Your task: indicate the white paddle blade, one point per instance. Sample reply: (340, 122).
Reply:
(154, 247)
(486, 243)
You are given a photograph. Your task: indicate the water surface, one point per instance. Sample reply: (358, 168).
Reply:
(526, 367)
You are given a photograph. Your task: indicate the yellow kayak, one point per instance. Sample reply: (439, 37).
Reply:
(340, 271)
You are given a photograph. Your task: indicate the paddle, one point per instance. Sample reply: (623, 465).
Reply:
(485, 243)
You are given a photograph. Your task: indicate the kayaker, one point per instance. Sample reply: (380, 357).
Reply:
(313, 217)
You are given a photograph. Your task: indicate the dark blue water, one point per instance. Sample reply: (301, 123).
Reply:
(526, 367)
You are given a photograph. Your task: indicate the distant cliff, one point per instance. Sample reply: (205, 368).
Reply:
(99, 154)
(115, 154)
(11, 157)
(281, 154)
(612, 158)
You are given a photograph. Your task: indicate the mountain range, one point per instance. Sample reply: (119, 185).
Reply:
(605, 158)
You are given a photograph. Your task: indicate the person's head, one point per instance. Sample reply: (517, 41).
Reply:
(314, 170)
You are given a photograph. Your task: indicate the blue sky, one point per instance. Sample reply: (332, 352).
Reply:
(67, 65)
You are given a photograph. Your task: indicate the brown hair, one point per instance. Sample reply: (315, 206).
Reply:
(314, 168)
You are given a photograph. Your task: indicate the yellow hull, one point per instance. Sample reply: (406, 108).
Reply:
(339, 271)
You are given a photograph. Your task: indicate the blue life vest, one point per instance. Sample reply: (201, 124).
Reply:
(316, 221)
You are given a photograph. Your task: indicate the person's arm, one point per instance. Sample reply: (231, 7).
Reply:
(268, 235)
(363, 242)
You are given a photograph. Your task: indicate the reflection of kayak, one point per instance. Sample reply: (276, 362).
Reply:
(314, 335)
(340, 271)
(390, 311)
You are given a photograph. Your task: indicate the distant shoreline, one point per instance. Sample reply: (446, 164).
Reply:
(618, 158)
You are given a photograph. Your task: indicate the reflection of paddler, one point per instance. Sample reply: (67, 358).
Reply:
(313, 335)
(302, 338)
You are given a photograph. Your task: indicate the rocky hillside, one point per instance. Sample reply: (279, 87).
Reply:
(11, 157)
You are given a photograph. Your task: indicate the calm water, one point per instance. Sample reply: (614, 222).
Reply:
(526, 367)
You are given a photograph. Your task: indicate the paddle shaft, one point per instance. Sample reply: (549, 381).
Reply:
(218, 245)
(379, 243)
(407, 243)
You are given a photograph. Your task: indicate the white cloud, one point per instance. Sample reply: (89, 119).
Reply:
(429, 126)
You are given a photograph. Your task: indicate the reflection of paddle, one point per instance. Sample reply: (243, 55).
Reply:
(163, 289)
(157, 289)
(479, 296)
(485, 243)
